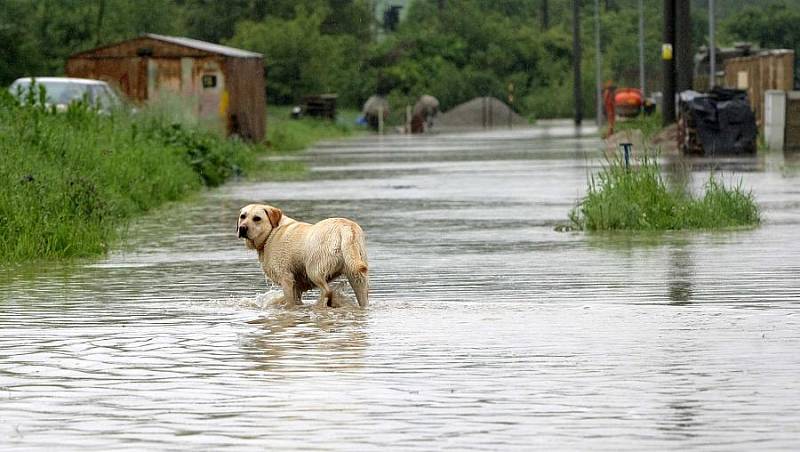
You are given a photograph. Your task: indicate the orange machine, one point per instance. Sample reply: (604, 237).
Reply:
(628, 101)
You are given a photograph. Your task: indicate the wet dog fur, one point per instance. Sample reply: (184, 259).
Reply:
(300, 256)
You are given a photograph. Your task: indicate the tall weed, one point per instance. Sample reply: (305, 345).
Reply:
(638, 198)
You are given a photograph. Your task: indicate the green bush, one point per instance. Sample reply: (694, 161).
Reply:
(286, 134)
(638, 198)
(71, 180)
(649, 125)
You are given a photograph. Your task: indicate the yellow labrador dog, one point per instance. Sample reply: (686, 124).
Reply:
(300, 256)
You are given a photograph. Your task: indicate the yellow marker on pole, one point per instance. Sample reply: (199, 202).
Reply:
(666, 52)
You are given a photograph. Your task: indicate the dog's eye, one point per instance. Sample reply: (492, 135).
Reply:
(242, 216)
(256, 218)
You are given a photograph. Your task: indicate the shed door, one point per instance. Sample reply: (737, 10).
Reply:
(163, 76)
(212, 94)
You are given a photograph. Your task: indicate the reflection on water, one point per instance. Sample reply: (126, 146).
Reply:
(679, 276)
(487, 328)
(293, 341)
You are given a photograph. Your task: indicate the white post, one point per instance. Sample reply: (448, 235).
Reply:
(774, 119)
(598, 62)
(712, 47)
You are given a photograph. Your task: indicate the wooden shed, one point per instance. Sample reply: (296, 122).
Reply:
(768, 69)
(222, 82)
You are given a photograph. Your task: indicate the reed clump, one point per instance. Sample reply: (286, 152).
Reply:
(639, 198)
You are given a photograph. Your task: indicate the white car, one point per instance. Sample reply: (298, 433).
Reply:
(62, 91)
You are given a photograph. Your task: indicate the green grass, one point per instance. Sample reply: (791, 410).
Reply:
(285, 134)
(71, 181)
(639, 199)
(649, 125)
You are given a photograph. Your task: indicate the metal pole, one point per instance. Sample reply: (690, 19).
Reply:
(712, 47)
(598, 65)
(576, 60)
(684, 64)
(545, 15)
(668, 101)
(641, 48)
(626, 152)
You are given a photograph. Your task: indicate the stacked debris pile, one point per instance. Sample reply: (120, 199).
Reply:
(717, 123)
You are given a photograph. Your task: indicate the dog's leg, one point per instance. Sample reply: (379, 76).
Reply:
(298, 296)
(360, 284)
(290, 292)
(325, 294)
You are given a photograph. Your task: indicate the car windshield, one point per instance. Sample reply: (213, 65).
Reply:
(66, 92)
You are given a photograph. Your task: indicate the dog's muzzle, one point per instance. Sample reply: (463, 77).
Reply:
(242, 232)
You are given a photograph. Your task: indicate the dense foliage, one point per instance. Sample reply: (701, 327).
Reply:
(71, 180)
(452, 49)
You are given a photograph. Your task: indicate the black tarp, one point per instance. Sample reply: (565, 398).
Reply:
(719, 122)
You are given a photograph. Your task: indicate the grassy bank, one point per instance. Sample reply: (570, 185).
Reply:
(639, 199)
(649, 125)
(285, 134)
(70, 181)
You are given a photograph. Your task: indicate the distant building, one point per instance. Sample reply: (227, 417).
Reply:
(388, 14)
(702, 63)
(760, 72)
(224, 82)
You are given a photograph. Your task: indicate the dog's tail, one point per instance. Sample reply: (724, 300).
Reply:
(355, 255)
(356, 267)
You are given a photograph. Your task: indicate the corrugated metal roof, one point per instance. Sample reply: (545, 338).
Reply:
(205, 46)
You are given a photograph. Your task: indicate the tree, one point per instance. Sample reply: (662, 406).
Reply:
(298, 58)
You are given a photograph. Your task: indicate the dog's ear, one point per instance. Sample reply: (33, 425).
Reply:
(274, 214)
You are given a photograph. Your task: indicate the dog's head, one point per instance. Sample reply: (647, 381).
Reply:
(256, 222)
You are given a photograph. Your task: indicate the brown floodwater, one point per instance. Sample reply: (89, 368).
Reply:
(487, 329)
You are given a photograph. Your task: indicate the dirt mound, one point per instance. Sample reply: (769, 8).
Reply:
(667, 139)
(480, 112)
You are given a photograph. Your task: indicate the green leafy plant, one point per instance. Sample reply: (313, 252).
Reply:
(638, 198)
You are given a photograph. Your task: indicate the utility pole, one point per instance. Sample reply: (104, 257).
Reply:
(712, 47)
(545, 15)
(668, 99)
(576, 60)
(101, 10)
(598, 66)
(641, 48)
(684, 63)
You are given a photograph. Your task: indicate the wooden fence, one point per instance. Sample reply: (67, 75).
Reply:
(769, 69)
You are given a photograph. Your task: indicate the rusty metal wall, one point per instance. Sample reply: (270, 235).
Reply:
(792, 131)
(129, 76)
(772, 69)
(247, 107)
(142, 46)
(141, 67)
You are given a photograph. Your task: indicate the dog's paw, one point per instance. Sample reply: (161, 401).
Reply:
(340, 300)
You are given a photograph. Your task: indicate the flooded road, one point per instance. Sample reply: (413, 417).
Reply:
(487, 329)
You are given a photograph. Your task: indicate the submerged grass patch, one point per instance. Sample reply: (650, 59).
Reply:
(286, 134)
(638, 198)
(649, 125)
(70, 181)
